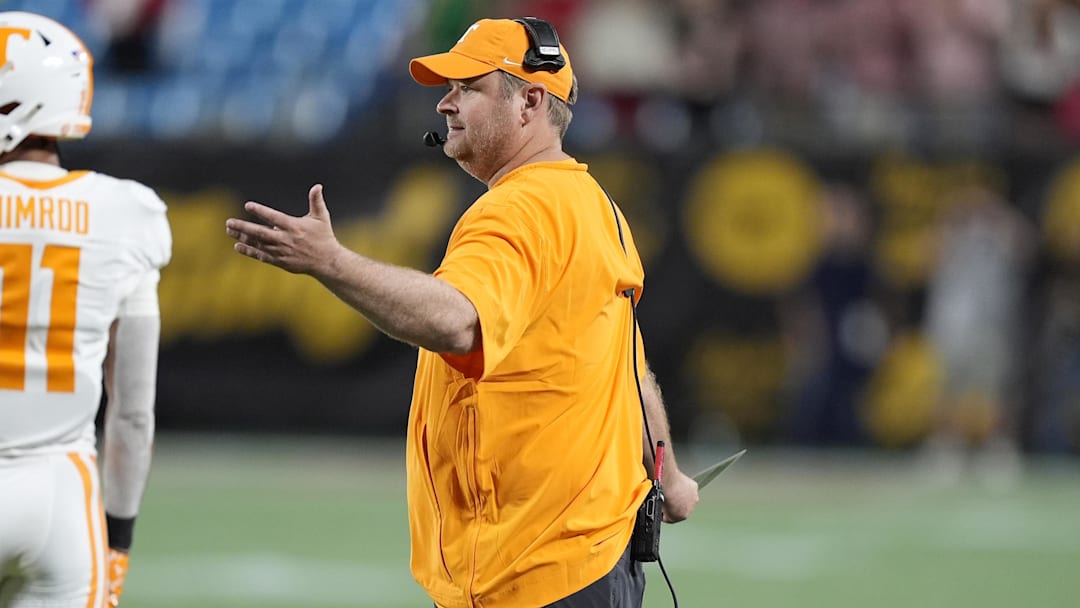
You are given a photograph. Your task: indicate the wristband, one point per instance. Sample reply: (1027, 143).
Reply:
(120, 531)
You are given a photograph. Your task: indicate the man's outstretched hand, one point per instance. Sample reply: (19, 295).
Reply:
(305, 245)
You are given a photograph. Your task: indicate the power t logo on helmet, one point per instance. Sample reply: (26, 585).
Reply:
(8, 32)
(46, 80)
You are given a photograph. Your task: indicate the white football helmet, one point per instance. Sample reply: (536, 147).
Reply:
(46, 80)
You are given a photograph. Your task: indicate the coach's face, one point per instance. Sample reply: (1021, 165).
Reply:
(479, 118)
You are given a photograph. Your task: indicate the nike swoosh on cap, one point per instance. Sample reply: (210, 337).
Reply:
(507, 61)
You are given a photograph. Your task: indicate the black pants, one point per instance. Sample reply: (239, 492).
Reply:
(623, 587)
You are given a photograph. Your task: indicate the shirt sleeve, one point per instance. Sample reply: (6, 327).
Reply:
(155, 235)
(496, 260)
(143, 300)
(129, 414)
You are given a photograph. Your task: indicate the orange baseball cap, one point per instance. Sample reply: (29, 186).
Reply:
(489, 45)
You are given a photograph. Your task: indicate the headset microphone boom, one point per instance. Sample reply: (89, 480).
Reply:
(433, 139)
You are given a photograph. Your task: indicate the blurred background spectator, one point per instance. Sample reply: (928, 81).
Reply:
(129, 28)
(976, 312)
(857, 215)
(839, 331)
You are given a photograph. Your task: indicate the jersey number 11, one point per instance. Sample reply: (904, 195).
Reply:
(16, 260)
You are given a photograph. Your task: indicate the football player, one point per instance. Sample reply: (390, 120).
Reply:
(80, 255)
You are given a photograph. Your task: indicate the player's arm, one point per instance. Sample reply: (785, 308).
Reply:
(680, 491)
(404, 303)
(130, 385)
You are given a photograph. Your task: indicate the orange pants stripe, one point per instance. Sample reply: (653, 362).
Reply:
(92, 500)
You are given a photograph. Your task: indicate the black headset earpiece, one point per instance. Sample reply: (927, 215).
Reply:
(544, 52)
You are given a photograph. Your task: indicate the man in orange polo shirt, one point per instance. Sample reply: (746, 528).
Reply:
(525, 454)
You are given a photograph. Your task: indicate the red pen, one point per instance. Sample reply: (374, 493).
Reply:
(659, 464)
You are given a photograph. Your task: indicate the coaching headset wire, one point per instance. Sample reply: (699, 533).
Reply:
(629, 294)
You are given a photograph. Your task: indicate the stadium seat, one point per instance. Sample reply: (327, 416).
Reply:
(235, 67)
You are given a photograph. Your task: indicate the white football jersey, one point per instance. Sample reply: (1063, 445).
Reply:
(73, 247)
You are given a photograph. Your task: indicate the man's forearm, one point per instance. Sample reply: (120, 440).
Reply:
(404, 303)
(657, 420)
(680, 491)
(130, 385)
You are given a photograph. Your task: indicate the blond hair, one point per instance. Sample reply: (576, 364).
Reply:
(559, 112)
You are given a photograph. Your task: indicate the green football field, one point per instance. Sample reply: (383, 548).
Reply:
(232, 522)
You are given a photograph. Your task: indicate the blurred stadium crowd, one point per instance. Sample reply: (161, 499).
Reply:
(957, 73)
(857, 72)
(831, 73)
(883, 196)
